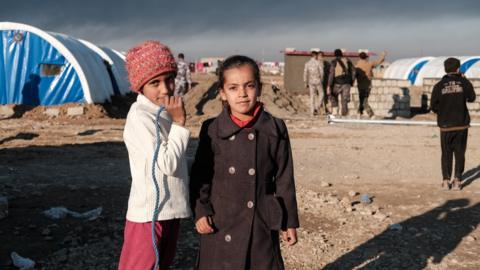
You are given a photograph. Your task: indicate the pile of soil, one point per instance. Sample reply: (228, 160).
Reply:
(203, 100)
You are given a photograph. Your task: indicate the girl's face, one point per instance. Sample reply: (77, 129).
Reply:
(240, 91)
(159, 87)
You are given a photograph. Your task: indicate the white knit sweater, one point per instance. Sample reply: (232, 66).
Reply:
(171, 170)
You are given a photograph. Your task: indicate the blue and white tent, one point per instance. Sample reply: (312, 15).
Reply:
(45, 68)
(416, 69)
(406, 69)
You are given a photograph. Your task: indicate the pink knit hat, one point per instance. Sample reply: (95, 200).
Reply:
(148, 60)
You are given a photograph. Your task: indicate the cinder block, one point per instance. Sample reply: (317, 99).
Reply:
(405, 83)
(6, 112)
(54, 112)
(75, 111)
(473, 106)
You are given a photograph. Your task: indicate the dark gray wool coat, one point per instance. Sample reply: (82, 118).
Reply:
(243, 178)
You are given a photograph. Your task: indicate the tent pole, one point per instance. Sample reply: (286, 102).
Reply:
(333, 120)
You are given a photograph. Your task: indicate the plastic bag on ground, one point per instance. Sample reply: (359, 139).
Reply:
(61, 212)
(22, 263)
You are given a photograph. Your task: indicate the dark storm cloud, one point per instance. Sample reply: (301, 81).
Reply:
(244, 26)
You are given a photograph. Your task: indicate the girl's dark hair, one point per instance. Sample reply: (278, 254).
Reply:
(236, 61)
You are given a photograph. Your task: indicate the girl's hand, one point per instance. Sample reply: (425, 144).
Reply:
(204, 225)
(174, 106)
(290, 236)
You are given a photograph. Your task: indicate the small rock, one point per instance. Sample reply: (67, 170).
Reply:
(3, 207)
(48, 238)
(46, 232)
(352, 193)
(471, 238)
(380, 216)
(37, 193)
(351, 176)
(346, 202)
(32, 226)
(349, 209)
(324, 184)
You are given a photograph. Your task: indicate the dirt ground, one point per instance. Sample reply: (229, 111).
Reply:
(81, 163)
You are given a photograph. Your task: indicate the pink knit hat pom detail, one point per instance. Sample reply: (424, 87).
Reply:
(146, 61)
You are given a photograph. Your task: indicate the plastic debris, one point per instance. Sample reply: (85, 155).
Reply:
(365, 198)
(22, 263)
(61, 212)
(395, 227)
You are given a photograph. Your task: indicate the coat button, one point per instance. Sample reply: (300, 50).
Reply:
(251, 171)
(231, 170)
(228, 238)
(232, 138)
(249, 204)
(251, 136)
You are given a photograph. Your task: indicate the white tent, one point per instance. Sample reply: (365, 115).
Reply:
(406, 69)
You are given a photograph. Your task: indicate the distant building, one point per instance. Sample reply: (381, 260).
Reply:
(209, 64)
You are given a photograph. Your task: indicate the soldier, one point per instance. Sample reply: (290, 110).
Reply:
(364, 72)
(340, 79)
(313, 76)
(183, 81)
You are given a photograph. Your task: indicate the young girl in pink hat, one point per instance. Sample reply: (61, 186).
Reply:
(151, 71)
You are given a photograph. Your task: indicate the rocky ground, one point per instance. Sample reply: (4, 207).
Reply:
(368, 195)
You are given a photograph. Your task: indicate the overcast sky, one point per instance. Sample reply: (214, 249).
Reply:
(262, 28)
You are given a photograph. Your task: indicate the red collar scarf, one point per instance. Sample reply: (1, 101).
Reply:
(250, 122)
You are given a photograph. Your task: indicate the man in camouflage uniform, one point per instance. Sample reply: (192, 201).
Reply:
(313, 77)
(183, 81)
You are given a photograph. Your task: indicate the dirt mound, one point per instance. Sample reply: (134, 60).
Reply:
(203, 100)
(117, 108)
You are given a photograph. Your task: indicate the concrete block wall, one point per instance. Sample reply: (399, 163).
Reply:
(474, 107)
(388, 98)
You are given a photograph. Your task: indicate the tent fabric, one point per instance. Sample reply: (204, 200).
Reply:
(79, 72)
(435, 68)
(119, 70)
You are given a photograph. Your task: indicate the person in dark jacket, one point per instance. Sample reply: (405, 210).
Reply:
(340, 79)
(242, 186)
(449, 98)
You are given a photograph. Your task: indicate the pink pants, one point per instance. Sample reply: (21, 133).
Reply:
(137, 251)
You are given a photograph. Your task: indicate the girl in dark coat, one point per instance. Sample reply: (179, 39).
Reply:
(242, 185)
